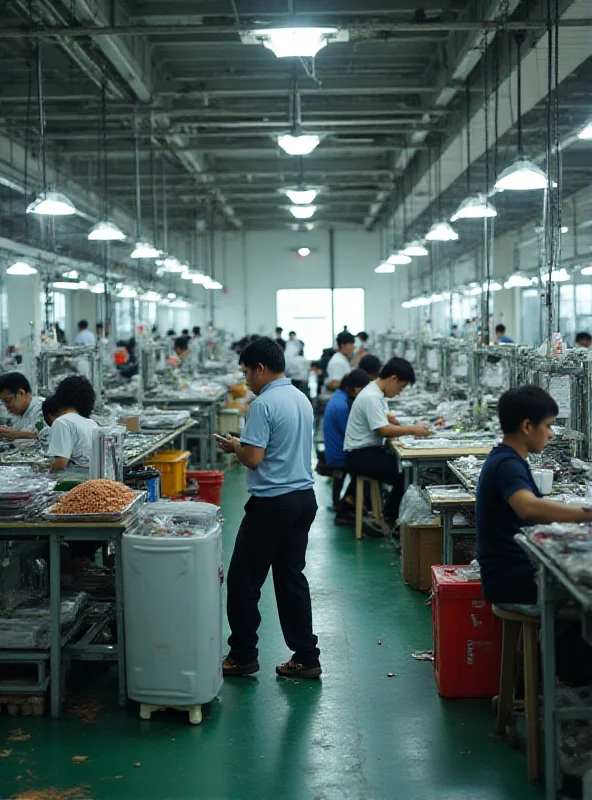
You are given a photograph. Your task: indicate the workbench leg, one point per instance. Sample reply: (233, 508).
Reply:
(119, 621)
(547, 601)
(183, 441)
(55, 600)
(447, 549)
(416, 472)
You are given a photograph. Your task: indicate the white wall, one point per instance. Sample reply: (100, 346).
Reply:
(259, 263)
(24, 307)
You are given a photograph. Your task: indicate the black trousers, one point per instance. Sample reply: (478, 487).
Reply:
(273, 534)
(374, 462)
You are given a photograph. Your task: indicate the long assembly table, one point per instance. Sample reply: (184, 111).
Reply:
(415, 458)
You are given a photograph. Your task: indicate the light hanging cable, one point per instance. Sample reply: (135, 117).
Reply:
(523, 174)
(142, 249)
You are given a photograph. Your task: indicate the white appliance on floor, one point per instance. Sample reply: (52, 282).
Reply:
(172, 579)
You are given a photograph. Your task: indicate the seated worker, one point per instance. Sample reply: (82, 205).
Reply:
(70, 439)
(371, 365)
(51, 410)
(500, 335)
(508, 499)
(370, 423)
(25, 409)
(361, 347)
(584, 339)
(181, 347)
(340, 364)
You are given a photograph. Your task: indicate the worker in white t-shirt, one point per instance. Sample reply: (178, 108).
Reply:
(370, 423)
(25, 408)
(340, 364)
(84, 336)
(70, 439)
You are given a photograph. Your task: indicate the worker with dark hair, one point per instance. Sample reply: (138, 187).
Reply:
(370, 424)
(84, 336)
(584, 339)
(361, 346)
(70, 439)
(371, 365)
(196, 332)
(25, 408)
(275, 446)
(279, 340)
(500, 335)
(51, 410)
(508, 499)
(181, 347)
(340, 364)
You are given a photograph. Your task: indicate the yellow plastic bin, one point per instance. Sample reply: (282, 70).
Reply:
(172, 465)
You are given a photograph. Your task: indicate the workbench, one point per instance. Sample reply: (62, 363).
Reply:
(55, 533)
(459, 502)
(431, 458)
(555, 588)
(162, 438)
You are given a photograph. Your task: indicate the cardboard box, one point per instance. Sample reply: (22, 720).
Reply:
(421, 547)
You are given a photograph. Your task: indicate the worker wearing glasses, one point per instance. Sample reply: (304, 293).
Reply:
(25, 409)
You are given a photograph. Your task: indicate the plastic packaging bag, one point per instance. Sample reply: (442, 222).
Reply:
(415, 508)
(575, 736)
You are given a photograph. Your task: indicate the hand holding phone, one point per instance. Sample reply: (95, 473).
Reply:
(225, 443)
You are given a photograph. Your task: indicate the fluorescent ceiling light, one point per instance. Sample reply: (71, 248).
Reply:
(475, 207)
(302, 212)
(522, 175)
(72, 275)
(415, 249)
(586, 132)
(294, 42)
(441, 232)
(304, 251)
(557, 276)
(384, 268)
(127, 292)
(301, 145)
(398, 258)
(301, 197)
(171, 296)
(586, 270)
(83, 284)
(145, 250)
(98, 288)
(21, 268)
(517, 281)
(106, 231)
(52, 204)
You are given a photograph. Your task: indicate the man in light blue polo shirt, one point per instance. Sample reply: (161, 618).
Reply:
(276, 448)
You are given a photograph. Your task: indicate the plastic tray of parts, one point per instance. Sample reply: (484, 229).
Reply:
(130, 510)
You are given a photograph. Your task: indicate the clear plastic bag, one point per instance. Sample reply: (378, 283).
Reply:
(415, 508)
(575, 736)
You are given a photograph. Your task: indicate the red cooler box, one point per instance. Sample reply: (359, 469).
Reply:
(467, 637)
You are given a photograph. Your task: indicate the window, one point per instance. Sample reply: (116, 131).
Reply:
(531, 317)
(309, 313)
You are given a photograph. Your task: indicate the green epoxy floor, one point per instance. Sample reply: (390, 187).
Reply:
(355, 734)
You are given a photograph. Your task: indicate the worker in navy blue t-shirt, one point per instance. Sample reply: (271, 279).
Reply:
(508, 499)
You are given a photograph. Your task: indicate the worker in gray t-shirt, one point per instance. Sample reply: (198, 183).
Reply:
(25, 409)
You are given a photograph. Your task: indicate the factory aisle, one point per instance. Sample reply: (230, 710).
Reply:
(355, 734)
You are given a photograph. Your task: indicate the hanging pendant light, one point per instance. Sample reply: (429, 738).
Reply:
(21, 268)
(475, 207)
(518, 281)
(384, 268)
(299, 144)
(586, 132)
(145, 250)
(106, 231)
(415, 249)
(301, 196)
(294, 42)
(398, 258)
(302, 212)
(441, 232)
(51, 204)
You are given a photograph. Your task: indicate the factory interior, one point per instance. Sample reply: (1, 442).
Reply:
(296, 354)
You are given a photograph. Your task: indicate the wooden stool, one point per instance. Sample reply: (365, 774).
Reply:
(515, 621)
(376, 503)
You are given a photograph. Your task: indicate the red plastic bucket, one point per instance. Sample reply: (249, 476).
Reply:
(210, 485)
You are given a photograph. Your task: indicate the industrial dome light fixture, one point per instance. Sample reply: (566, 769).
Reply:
(475, 207)
(301, 196)
(303, 252)
(398, 258)
(106, 231)
(294, 42)
(302, 212)
(51, 204)
(521, 176)
(384, 268)
(300, 144)
(518, 281)
(145, 250)
(415, 249)
(586, 132)
(441, 232)
(21, 268)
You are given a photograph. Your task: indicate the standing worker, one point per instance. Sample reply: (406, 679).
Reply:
(340, 364)
(84, 336)
(276, 447)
